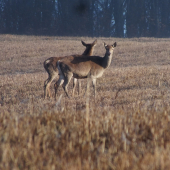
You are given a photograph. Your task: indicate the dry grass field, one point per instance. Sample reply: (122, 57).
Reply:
(126, 128)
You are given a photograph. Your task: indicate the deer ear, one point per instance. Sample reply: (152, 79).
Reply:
(83, 43)
(95, 42)
(104, 44)
(115, 44)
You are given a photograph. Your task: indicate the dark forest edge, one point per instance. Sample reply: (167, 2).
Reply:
(94, 18)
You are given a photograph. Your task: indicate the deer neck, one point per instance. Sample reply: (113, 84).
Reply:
(107, 60)
(88, 52)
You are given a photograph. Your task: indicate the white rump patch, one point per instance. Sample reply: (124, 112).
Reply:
(47, 61)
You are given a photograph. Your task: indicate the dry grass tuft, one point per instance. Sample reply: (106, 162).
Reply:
(127, 127)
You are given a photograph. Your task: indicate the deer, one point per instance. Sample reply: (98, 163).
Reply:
(50, 66)
(82, 67)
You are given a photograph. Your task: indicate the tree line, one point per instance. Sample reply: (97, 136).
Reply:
(118, 18)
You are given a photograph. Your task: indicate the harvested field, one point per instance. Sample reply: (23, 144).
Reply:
(128, 127)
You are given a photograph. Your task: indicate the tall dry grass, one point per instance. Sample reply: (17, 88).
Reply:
(126, 128)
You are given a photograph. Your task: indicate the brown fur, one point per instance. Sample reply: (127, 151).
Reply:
(81, 67)
(50, 66)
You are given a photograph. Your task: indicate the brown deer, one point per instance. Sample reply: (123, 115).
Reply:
(81, 67)
(50, 66)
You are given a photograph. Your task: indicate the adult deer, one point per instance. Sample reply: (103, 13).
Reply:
(81, 67)
(50, 66)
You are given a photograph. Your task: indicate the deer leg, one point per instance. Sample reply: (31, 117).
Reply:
(74, 85)
(58, 84)
(79, 83)
(45, 88)
(87, 90)
(47, 84)
(94, 87)
(66, 83)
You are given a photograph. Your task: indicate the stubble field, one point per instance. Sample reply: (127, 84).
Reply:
(126, 128)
